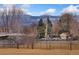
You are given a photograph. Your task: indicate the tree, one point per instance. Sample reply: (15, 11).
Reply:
(65, 21)
(49, 30)
(65, 24)
(11, 21)
(41, 29)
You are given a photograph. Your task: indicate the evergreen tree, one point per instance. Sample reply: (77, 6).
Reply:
(49, 26)
(44, 29)
(41, 29)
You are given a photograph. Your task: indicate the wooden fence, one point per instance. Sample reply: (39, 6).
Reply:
(32, 43)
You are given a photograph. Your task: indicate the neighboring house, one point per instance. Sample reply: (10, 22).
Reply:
(63, 36)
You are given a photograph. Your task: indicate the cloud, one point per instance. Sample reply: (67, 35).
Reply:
(1, 9)
(8, 5)
(71, 9)
(25, 6)
(26, 11)
(29, 13)
(49, 11)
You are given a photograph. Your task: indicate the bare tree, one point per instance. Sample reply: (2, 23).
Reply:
(65, 22)
(11, 20)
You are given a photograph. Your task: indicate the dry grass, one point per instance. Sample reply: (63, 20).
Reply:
(14, 51)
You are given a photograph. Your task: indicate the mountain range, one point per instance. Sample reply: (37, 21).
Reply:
(28, 20)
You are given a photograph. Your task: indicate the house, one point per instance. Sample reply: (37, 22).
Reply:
(63, 36)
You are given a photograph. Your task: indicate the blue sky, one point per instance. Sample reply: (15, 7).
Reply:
(41, 9)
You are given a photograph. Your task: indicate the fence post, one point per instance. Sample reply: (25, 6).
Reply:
(33, 44)
(49, 44)
(70, 43)
(17, 46)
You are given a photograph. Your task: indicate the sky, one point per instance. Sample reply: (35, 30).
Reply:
(43, 9)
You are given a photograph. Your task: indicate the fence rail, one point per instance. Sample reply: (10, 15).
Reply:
(57, 44)
(44, 44)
